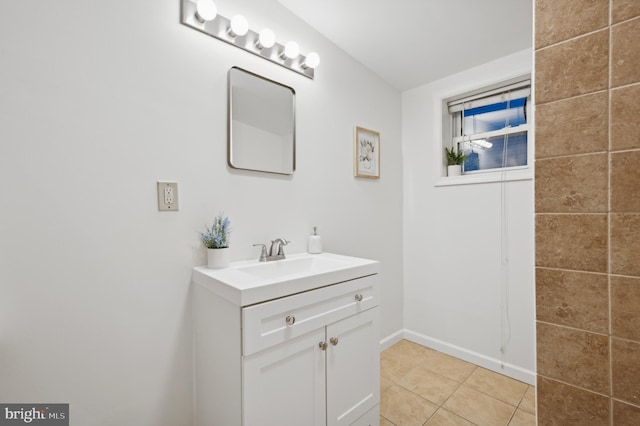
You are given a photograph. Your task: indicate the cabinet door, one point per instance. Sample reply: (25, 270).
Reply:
(353, 367)
(285, 384)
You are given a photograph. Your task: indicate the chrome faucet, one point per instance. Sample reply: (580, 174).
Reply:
(263, 253)
(276, 252)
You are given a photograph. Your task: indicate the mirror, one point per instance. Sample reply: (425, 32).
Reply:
(261, 124)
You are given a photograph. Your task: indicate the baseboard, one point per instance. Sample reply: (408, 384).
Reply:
(489, 363)
(391, 340)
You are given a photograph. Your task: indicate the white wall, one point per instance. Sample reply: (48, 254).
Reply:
(98, 101)
(452, 244)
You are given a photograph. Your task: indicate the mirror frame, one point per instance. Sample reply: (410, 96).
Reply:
(230, 122)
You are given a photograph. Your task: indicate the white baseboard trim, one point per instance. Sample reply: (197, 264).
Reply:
(391, 340)
(487, 362)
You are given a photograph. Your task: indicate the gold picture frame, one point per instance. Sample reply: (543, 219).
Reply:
(366, 153)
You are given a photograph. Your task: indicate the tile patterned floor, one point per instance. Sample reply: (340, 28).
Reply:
(420, 386)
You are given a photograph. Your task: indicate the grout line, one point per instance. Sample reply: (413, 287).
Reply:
(576, 37)
(573, 328)
(604, 395)
(610, 144)
(580, 154)
(580, 95)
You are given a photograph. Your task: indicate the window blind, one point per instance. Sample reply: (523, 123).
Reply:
(515, 91)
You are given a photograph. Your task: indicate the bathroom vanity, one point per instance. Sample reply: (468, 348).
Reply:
(290, 342)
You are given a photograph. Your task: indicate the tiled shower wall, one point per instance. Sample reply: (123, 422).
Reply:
(587, 191)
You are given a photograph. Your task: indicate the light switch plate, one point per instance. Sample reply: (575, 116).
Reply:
(167, 196)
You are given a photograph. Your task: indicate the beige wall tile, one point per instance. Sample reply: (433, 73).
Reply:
(558, 20)
(625, 59)
(625, 414)
(581, 128)
(624, 9)
(573, 356)
(625, 365)
(561, 405)
(576, 67)
(572, 241)
(625, 110)
(625, 244)
(574, 299)
(497, 385)
(576, 184)
(625, 180)
(625, 307)
(479, 408)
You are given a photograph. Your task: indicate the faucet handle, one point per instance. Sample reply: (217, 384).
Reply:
(263, 252)
(283, 243)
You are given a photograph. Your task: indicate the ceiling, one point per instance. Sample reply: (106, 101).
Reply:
(409, 43)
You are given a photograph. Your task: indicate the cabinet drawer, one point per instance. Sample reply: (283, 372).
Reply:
(271, 323)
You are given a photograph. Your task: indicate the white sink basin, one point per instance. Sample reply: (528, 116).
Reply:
(248, 282)
(302, 265)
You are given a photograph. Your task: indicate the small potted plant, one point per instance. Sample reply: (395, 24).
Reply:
(216, 240)
(455, 159)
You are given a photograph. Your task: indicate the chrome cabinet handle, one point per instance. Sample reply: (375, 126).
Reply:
(359, 297)
(334, 341)
(323, 346)
(290, 320)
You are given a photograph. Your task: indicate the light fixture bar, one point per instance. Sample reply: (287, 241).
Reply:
(219, 28)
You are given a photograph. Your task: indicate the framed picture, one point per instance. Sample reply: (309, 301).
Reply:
(367, 153)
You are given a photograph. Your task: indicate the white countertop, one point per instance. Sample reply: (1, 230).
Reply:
(248, 282)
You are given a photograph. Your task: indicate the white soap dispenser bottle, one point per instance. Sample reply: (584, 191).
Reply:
(315, 243)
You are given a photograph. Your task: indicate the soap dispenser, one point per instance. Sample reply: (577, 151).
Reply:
(315, 243)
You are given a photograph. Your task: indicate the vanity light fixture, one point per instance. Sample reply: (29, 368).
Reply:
(312, 61)
(206, 10)
(291, 50)
(239, 26)
(266, 39)
(202, 15)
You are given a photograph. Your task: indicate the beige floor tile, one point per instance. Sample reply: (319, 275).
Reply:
(429, 385)
(522, 418)
(405, 348)
(404, 408)
(446, 365)
(443, 417)
(394, 368)
(399, 359)
(478, 407)
(528, 403)
(385, 422)
(385, 382)
(496, 385)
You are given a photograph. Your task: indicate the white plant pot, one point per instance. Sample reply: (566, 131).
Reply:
(217, 258)
(455, 170)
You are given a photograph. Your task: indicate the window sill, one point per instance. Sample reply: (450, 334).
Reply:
(488, 177)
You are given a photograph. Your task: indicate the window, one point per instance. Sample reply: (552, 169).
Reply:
(492, 127)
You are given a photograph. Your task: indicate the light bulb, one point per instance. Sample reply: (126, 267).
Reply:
(206, 10)
(266, 39)
(239, 26)
(312, 60)
(291, 50)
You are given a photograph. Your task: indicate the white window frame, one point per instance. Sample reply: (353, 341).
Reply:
(472, 99)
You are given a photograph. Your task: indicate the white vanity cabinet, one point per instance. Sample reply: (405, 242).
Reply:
(305, 359)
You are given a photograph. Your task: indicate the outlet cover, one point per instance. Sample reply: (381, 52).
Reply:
(168, 196)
